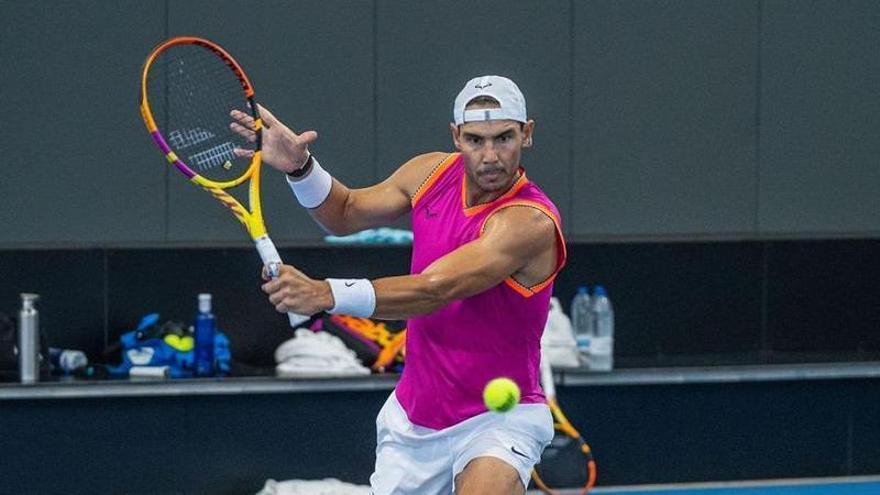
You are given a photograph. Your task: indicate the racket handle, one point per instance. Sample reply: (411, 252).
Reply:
(272, 261)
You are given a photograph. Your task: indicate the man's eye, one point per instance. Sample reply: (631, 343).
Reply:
(474, 139)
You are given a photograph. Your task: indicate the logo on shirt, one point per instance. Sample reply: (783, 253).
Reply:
(429, 213)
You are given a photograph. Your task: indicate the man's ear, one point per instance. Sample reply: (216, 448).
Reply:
(528, 134)
(456, 135)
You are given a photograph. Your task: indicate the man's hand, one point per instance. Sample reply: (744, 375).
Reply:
(283, 149)
(294, 291)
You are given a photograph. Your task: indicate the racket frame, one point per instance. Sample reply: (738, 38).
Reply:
(251, 219)
(564, 426)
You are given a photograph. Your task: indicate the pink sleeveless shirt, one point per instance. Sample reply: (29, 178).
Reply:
(453, 352)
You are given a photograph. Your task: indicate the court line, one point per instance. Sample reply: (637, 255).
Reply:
(739, 484)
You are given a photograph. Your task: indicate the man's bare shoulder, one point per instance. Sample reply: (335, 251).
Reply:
(521, 229)
(412, 174)
(425, 162)
(526, 234)
(523, 218)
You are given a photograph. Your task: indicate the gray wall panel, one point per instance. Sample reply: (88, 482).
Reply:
(311, 65)
(664, 117)
(652, 116)
(79, 165)
(820, 117)
(427, 51)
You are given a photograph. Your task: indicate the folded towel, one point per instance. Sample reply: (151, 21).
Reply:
(384, 235)
(327, 486)
(316, 354)
(557, 342)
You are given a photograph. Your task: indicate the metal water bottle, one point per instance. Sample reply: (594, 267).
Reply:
(29, 339)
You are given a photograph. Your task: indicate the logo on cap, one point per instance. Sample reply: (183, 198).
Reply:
(482, 86)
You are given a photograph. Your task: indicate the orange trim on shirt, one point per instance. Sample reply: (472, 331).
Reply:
(561, 250)
(521, 289)
(473, 210)
(529, 291)
(433, 176)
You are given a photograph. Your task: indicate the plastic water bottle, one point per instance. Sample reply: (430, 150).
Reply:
(602, 342)
(582, 322)
(205, 328)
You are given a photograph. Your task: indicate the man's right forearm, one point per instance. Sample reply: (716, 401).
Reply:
(340, 210)
(326, 198)
(333, 215)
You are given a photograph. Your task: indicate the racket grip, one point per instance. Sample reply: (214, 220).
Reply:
(272, 261)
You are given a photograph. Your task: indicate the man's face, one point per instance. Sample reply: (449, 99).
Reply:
(492, 151)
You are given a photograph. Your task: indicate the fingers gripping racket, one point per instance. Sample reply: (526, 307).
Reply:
(188, 88)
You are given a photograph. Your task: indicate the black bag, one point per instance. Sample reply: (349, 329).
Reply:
(8, 349)
(379, 345)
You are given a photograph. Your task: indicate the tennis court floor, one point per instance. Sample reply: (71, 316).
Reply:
(818, 486)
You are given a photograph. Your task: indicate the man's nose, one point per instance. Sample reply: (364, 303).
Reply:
(490, 155)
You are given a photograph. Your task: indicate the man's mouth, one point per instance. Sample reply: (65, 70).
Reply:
(490, 174)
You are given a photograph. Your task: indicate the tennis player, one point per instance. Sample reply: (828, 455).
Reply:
(487, 247)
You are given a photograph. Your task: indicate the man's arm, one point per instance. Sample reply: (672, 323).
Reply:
(513, 238)
(351, 210)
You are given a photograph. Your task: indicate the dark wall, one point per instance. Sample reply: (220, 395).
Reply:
(689, 118)
(700, 432)
(232, 444)
(186, 445)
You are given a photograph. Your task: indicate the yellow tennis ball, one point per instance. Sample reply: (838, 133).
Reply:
(501, 394)
(182, 344)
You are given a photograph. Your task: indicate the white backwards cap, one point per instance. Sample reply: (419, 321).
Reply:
(502, 89)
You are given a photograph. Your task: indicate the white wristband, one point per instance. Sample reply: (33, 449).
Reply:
(314, 188)
(354, 297)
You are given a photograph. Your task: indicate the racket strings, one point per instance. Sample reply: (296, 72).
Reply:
(192, 91)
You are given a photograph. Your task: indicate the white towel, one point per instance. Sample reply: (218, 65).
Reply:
(557, 342)
(316, 354)
(327, 486)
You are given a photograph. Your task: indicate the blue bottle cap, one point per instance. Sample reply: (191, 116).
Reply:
(599, 291)
(583, 289)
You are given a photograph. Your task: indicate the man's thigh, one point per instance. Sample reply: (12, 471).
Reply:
(507, 447)
(489, 476)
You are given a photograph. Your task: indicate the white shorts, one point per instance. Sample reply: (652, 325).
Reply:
(411, 459)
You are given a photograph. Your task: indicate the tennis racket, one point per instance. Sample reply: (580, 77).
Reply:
(568, 449)
(189, 86)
